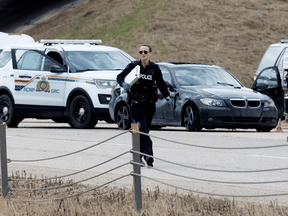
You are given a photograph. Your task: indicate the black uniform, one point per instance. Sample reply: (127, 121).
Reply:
(142, 97)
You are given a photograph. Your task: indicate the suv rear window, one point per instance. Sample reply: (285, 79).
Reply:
(4, 58)
(270, 57)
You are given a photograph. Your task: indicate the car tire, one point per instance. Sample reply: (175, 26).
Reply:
(6, 110)
(264, 129)
(191, 119)
(80, 112)
(123, 119)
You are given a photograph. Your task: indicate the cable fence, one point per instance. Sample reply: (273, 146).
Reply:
(137, 164)
(212, 147)
(72, 153)
(65, 185)
(210, 170)
(71, 174)
(4, 181)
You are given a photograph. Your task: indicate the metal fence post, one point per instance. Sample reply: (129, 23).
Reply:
(136, 168)
(3, 155)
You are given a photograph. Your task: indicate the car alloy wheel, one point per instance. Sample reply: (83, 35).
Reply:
(123, 118)
(191, 119)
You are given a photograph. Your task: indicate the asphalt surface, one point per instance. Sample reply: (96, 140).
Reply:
(36, 139)
(19, 15)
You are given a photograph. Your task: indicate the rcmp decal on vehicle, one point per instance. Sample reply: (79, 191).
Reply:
(44, 86)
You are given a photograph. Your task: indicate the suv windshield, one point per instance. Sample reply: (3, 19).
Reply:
(97, 60)
(187, 76)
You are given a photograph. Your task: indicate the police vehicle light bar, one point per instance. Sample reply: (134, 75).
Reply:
(284, 41)
(60, 41)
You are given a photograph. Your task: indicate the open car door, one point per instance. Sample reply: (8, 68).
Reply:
(269, 82)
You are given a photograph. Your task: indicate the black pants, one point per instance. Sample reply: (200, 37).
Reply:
(143, 113)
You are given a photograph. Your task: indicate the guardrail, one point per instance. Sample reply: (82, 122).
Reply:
(136, 173)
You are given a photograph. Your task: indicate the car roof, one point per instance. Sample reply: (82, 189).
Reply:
(61, 47)
(81, 47)
(185, 64)
(23, 46)
(76, 45)
(15, 38)
(283, 43)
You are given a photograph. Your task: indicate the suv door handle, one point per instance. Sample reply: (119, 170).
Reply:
(24, 76)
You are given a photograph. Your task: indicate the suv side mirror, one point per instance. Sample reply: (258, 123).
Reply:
(57, 69)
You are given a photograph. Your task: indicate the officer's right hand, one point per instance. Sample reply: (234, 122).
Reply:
(168, 99)
(126, 86)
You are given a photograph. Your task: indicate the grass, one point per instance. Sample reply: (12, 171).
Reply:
(119, 201)
(233, 34)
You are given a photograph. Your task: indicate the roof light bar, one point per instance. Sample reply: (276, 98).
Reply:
(284, 41)
(60, 41)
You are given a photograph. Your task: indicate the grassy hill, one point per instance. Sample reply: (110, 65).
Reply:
(233, 34)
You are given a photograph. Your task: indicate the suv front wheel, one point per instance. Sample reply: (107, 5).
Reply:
(81, 115)
(7, 110)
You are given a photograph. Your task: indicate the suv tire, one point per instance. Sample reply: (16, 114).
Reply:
(6, 109)
(81, 115)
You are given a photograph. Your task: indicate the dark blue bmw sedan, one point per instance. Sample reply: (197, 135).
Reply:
(204, 96)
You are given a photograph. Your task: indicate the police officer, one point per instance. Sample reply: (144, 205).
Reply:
(142, 96)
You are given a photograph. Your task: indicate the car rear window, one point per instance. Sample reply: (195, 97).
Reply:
(4, 58)
(270, 57)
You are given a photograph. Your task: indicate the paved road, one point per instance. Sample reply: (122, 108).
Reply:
(36, 139)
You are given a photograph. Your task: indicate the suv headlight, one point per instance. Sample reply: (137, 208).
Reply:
(104, 83)
(269, 103)
(213, 102)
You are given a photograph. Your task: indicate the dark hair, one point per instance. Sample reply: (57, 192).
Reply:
(150, 49)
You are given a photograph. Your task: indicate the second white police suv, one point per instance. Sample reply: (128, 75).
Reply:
(64, 80)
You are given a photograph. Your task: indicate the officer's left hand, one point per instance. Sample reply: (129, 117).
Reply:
(168, 99)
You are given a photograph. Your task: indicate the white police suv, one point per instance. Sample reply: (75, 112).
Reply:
(64, 80)
(273, 57)
(272, 74)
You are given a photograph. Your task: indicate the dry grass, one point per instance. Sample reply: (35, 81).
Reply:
(233, 34)
(119, 201)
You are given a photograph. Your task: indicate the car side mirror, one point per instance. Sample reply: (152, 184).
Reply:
(57, 69)
(261, 86)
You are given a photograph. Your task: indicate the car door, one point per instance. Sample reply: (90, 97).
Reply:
(268, 82)
(164, 110)
(35, 83)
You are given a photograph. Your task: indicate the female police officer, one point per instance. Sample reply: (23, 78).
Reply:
(143, 95)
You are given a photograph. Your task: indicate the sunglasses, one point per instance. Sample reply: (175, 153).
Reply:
(145, 52)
